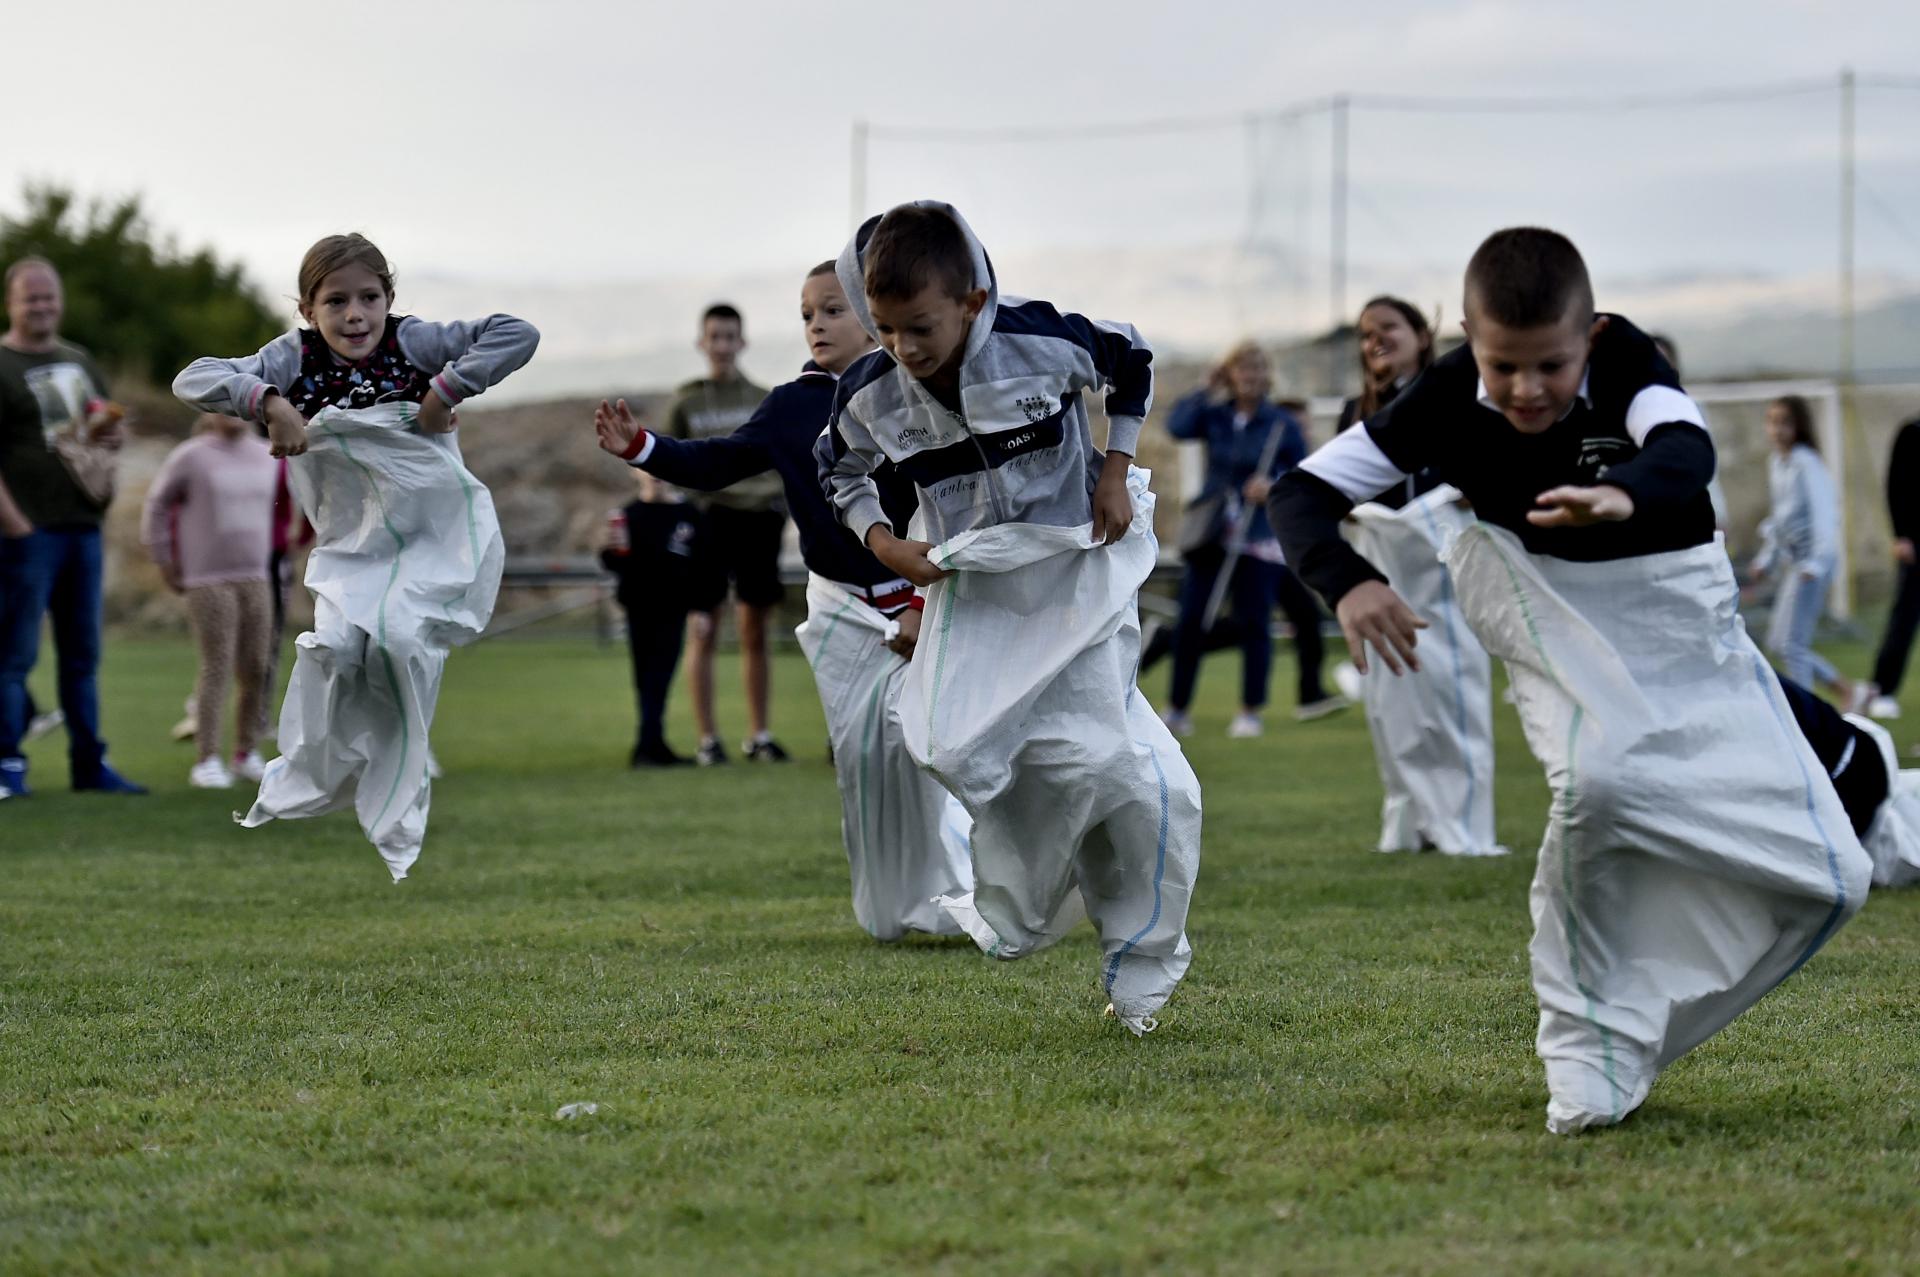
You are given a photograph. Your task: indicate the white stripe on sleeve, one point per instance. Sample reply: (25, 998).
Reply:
(1353, 463)
(1659, 406)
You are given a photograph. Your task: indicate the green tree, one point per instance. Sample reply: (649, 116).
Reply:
(142, 307)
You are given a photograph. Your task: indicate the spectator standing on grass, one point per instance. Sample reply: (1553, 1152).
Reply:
(741, 526)
(650, 548)
(1250, 441)
(1876, 697)
(58, 436)
(208, 523)
(1800, 545)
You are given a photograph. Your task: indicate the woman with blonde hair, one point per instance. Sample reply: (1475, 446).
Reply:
(1250, 442)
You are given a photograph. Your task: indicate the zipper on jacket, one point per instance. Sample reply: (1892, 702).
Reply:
(994, 501)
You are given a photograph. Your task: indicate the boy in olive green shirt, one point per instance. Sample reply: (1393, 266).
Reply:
(740, 535)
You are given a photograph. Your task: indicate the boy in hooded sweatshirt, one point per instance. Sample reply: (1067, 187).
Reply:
(978, 400)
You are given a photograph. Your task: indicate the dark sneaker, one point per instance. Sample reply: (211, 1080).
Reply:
(13, 777)
(657, 755)
(108, 781)
(710, 753)
(764, 749)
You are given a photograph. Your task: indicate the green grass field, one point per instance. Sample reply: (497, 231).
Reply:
(225, 1050)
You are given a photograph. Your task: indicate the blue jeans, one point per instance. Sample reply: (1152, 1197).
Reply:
(1799, 604)
(54, 570)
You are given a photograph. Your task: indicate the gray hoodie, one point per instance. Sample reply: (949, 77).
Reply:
(1020, 450)
(464, 357)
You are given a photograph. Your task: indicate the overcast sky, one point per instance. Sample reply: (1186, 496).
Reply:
(576, 142)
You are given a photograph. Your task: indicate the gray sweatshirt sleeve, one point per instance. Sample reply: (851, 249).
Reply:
(467, 357)
(847, 455)
(238, 387)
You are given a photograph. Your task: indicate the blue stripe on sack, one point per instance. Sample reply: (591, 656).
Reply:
(1459, 674)
(1764, 677)
(1159, 873)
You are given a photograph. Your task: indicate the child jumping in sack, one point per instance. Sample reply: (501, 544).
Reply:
(1695, 853)
(375, 655)
(1022, 701)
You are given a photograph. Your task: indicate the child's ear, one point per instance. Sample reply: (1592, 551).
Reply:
(1600, 323)
(976, 301)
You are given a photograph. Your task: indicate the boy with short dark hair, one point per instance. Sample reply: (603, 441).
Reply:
(1024, 706)
(1693, 858)
(741, 528)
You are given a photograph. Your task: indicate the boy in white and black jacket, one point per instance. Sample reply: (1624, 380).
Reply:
(1569, 430)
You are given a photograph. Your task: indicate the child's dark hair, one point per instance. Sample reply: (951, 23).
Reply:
(913, 248)
(828, 267)
(1528, 277)
(336, 252)
(722, 311)
(1800, 417)
(1371, 391)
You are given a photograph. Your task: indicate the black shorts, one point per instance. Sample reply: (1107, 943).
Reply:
(741, 547)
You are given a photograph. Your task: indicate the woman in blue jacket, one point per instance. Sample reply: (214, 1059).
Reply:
(1251, 441)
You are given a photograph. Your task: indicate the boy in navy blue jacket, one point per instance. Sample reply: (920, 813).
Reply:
(780, 436)
(902, 857)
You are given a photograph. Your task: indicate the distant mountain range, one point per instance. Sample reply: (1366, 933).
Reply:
(617, 337)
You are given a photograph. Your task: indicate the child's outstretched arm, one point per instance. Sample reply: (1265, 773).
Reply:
(702, 465)
(240, 387)
(469, 356)
(251, 388)
(1305, 507)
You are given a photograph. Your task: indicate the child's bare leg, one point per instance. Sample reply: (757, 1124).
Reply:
(753, 663)
(703, 632)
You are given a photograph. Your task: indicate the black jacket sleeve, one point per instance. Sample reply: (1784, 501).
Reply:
(1673, 467)
(1305, 512)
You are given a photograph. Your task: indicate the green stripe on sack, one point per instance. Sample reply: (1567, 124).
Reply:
(1563, 807)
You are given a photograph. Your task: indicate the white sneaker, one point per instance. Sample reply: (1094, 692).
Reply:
(1245, 727)
(40, 724)
(210, 773)
(184, 729)
(1883, 707)
(1179, 722)
(250, 767)
(1320, 709)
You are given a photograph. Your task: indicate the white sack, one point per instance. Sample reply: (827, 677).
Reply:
(1432, 727)
(1021, 701)
(1893, 839)
(406, 563)
(906, 837)
(1695, 853)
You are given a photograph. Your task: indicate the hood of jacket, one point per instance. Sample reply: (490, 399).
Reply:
(851, 268)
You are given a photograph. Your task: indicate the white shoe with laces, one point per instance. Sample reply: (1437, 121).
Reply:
(1884, 708)
(210, 773)
(1245, 727)
(250, 766)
